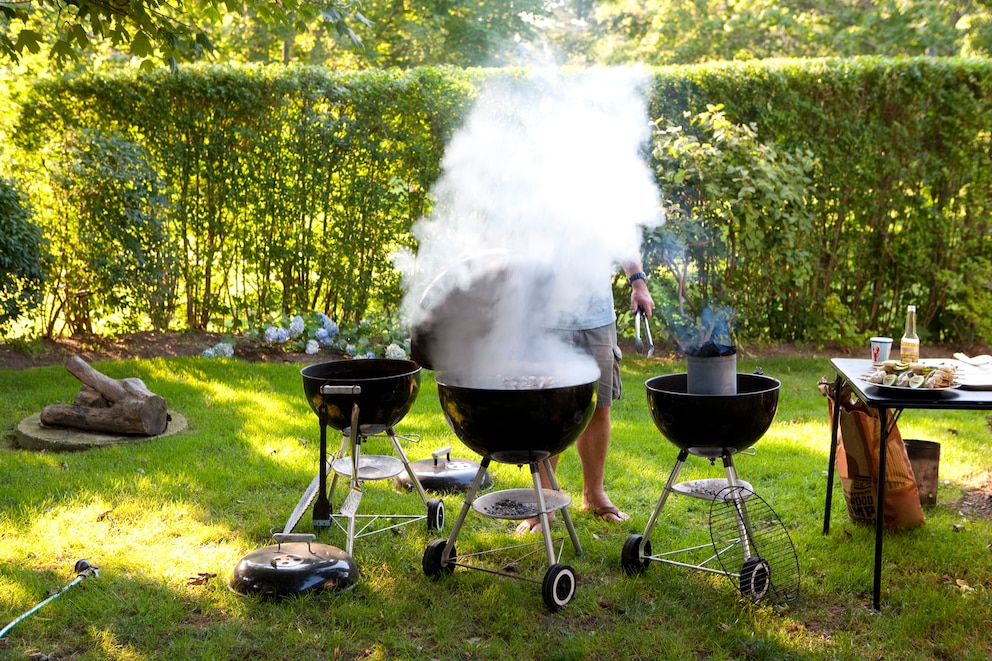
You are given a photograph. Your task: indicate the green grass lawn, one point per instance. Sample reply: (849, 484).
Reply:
(161, 516)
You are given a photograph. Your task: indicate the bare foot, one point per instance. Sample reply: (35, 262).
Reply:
(609, 513)
(533, 524)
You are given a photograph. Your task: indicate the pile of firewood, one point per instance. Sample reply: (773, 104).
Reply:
(105, 404)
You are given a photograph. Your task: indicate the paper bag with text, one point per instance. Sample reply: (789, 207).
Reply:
(858, 446)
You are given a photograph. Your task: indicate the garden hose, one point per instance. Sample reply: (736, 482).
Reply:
(83, 570)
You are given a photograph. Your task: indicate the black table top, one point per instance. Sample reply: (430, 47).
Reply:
(851, 369)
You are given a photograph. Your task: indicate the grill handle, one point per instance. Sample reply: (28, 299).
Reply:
(328, 389)
(442, 452)
(285, 537)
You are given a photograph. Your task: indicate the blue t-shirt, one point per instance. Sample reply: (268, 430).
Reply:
(598, 312)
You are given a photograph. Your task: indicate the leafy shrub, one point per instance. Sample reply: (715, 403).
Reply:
(851, 187)
(736, 222)
(113, 255)
(22, 255)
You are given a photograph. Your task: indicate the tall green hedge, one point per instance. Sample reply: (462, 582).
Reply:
(901, 197)
(22, 256)
(837, 191)
(287, 188)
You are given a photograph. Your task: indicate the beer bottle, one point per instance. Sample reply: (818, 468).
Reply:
(909, 345)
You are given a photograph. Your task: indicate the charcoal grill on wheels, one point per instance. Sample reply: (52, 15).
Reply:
(361, 399)
(750, 546)
(524, 426)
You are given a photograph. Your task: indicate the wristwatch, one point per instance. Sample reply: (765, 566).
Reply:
(636, 276)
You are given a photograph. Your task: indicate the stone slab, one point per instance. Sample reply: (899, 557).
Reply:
(32, 435)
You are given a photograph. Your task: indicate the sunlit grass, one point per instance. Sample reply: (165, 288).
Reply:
(166, 520)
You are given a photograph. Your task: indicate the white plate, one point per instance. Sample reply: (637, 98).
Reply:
(906, 390)
(975, 381)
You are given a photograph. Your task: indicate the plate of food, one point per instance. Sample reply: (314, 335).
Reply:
(916, 378)
(911, 390)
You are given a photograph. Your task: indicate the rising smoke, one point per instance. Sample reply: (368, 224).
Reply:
(544, 191)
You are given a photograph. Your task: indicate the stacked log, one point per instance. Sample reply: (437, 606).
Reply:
(105, 404)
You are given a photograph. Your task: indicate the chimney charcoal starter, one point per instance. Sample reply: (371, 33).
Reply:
(712, 369)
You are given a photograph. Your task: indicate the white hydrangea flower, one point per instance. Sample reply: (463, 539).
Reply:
(270, 334)
(312, 347)
(296, 326)
(224, 350)
(395, 352)
(207, 353)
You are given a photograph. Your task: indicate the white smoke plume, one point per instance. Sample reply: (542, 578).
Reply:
(544, 192)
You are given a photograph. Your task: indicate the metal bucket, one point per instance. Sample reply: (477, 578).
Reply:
(712, 375)
(924, 457)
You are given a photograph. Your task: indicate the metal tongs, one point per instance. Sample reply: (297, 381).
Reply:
(639, 318)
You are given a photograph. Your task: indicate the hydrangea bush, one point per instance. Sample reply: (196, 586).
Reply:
(219, 350)
(379, 336)
(376, 337)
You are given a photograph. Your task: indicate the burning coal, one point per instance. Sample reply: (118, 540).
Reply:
(544, 191)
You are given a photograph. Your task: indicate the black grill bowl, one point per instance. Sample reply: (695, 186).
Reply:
(518, 426)
(388, 390)
(708, 424)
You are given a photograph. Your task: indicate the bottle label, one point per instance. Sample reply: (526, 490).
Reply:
(909, 350)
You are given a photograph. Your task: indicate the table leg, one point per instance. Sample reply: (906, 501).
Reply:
(834, 425)
(876, 593)
(885, 429)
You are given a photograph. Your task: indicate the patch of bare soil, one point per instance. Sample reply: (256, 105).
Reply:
(38, 353)
(976, 501)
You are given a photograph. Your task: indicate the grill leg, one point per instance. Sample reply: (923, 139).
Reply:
(470, 495)
(542, 512)
(566, 517)
(414, 480)
(322, 508)
(350, 505)
(334, 478)
(731, 469)
(683, 454)
(743, 523)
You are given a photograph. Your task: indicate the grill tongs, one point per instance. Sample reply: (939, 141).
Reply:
(639, 318)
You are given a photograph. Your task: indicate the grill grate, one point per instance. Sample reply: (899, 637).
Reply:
(753, 546)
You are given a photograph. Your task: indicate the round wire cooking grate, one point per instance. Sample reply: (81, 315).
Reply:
(753, 546)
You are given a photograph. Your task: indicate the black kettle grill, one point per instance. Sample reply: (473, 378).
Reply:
(515, 424)
(749, 542)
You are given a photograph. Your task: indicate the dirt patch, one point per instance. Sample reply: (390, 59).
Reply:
(38, 353)
(976, 501)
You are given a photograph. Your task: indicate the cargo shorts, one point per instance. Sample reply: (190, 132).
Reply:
(601, 344)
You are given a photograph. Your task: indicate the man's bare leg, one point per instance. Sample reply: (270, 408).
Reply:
(592, 446)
